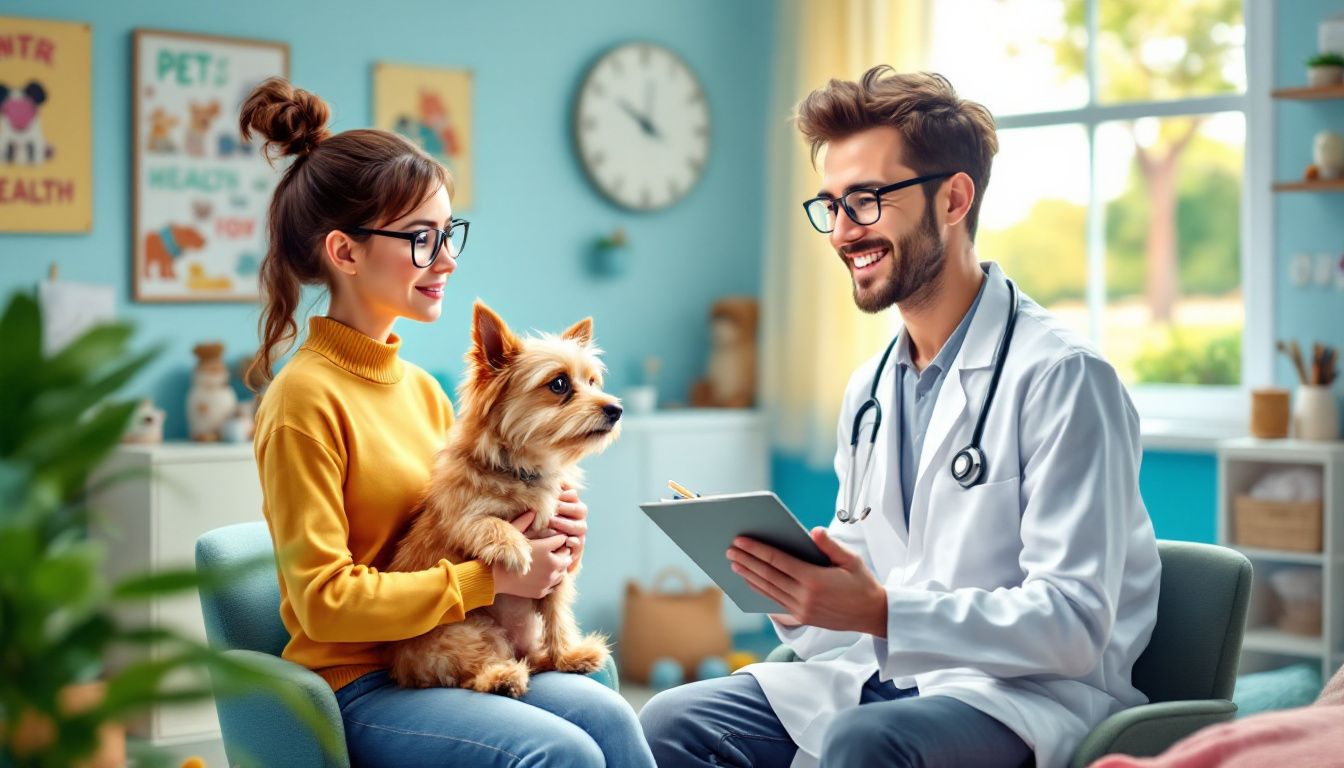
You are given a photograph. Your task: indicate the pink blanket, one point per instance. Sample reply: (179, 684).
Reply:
(1307, 737)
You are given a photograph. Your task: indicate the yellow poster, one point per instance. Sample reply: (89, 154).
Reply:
(46, 107)
(431, 107)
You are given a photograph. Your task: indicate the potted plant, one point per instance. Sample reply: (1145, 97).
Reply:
(1325, 69)
(609, 254)
(59, 703)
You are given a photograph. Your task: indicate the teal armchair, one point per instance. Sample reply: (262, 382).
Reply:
(243, 618)
(1190, 666)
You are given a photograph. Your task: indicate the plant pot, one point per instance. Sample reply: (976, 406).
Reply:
(1322, 77)
(36, 732)
(1315, 414)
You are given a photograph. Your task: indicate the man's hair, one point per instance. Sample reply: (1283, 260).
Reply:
(941, 132)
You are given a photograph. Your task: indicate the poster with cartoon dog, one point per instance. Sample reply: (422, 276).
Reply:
(432, 108)
(46, 149)
(200, 191)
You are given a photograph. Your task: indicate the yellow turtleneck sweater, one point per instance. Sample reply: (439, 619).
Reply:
(345, 440)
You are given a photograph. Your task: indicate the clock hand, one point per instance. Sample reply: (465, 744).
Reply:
(644, 124)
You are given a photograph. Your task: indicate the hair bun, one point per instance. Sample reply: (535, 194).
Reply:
(292, 120)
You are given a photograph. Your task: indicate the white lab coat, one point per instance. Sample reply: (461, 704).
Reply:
(1028, 597)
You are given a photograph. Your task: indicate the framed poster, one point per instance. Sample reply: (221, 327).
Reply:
(200, 192)
(46, 114)
(431, 107)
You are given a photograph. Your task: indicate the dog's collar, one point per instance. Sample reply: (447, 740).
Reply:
(528, 477)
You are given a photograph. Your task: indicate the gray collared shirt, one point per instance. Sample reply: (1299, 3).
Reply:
(917, 394)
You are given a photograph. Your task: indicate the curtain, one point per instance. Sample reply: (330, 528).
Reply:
(812, 335)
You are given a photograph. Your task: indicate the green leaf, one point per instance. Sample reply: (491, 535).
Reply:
(149, 585)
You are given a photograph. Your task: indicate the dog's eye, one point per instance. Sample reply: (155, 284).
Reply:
(560, 385)
(592, 382)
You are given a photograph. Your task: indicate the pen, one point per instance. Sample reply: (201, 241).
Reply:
(681, 489)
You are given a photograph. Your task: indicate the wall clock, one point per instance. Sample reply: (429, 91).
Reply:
(641, 126)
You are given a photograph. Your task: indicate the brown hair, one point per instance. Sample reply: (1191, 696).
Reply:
(941, 132)
(356, 178)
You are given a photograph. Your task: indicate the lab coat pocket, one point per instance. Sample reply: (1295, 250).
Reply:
(974, 534)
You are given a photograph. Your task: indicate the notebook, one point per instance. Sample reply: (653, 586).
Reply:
(705, 526)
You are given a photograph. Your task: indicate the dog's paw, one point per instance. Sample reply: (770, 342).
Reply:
(515, 557)
(588, 655)
(506, 678)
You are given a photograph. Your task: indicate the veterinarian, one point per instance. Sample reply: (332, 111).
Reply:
(346, 435)
(990, 589)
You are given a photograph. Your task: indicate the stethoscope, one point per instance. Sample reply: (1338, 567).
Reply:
(968, 465)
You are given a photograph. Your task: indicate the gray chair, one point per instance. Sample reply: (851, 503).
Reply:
(1190, 666)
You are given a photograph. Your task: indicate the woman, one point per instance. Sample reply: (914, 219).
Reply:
(345, 438)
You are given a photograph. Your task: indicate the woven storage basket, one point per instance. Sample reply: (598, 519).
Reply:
(1292, 525)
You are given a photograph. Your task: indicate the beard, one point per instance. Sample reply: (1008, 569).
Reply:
(913, 277)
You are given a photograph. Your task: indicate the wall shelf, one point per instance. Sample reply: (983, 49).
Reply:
(1332, 185)
(1310, 94)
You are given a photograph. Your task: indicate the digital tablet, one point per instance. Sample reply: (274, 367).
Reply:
(705, 526)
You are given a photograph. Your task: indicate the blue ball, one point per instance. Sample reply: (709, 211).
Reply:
(711, 667)
(666, 673)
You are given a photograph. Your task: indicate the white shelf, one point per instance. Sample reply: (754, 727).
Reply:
(1281, 555)
(1266, 640)
(1241, 462)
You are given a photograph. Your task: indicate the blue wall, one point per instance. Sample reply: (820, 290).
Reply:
(534, 214)
(1310, 222)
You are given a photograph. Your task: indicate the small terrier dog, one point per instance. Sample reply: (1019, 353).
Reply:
(530, 409)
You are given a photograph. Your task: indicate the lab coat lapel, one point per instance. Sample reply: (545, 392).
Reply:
(961, 386)
(885, 527)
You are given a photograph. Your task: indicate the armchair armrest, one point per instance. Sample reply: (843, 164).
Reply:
(1148, 730)
(259, 729)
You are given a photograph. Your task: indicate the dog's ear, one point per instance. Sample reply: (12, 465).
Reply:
(492, 343)
(581, 331)
(35, 92)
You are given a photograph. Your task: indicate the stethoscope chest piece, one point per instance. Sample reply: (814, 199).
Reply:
(968, 466)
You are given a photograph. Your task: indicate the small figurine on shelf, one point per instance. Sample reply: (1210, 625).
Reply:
(211, 399)
(240, 427)
(730, 381)
(609, 255)
(146, 424)
(1325, 70)
(1328, 154)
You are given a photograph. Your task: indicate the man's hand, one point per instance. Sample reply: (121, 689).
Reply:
(844, 596)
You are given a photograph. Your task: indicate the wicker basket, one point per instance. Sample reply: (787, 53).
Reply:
(1291, 525)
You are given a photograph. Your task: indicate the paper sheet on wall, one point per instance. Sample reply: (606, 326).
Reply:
(70, 309)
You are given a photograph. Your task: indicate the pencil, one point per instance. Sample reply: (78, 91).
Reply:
(681, 489)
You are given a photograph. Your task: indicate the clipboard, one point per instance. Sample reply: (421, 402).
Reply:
(704, 528)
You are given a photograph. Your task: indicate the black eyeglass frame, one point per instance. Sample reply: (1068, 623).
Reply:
(877, 193)
(441, 236)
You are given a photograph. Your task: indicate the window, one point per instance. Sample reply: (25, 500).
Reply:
(1119, 193)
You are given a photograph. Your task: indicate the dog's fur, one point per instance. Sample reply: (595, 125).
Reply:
(515, 442)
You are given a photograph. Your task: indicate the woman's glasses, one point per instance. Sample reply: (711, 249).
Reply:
(426, 243)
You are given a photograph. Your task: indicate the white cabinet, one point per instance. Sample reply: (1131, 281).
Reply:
(149, 520)
(709, 451)
(1243, 461)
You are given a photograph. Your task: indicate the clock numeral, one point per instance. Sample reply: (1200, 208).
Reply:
(617, 183)
(695, 164)
(588, 123)
(701, 130)
(645, 199)
(644, 54)
(616, 65)
(695, 97)
(673, 190)
(597, 89)
(597, 158)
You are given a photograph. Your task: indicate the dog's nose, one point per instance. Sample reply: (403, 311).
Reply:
(613, 412)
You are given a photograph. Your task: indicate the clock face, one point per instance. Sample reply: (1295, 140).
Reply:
(641, 126)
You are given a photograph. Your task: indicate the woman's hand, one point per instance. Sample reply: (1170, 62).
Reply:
(551, 560)
(571, 519)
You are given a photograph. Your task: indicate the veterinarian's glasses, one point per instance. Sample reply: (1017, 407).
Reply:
(863, 206)
(426, 243)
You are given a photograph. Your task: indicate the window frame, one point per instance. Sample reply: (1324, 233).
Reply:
(1194, 409)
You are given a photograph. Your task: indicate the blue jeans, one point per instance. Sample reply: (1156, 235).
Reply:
(728, 721)
(562, 720)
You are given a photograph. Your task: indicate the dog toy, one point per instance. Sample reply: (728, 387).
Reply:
(666, 673)
(739, 659)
